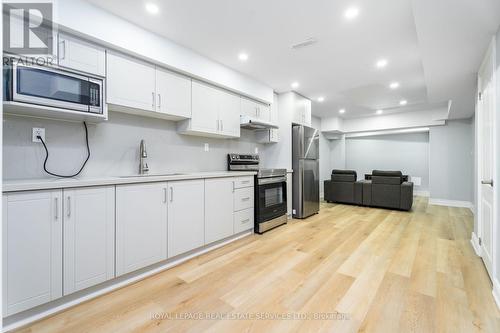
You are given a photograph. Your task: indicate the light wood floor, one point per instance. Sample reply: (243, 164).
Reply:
(387, 271)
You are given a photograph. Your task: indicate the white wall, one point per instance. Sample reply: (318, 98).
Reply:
(279, 155)
(408, 153)
(114, 147)
(452, 161)
(497, 254)
(324, 155)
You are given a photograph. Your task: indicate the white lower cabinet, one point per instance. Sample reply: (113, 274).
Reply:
(32, 249)
(219, 194)
(57, 242)
(186, 223)
(89, 237)
(243, 220)
(141, 226)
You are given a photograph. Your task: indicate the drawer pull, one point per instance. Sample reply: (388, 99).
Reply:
(245, 199)
(245, 221)
(245, 181)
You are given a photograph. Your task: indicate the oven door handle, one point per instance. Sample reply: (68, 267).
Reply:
(271, 180)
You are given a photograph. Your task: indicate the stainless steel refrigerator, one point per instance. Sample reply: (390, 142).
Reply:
(305, 164)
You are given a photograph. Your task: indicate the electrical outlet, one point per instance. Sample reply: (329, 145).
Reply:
(256, 150)
(38, 132)
(207, 147)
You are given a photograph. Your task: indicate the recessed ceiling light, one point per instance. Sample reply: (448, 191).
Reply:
(381, 63)
(403, 102)
(243, 56)
(394, 85)
(321, 99)
(295, 85)
(380, 111)
(341, 111)
(152, 8)
(351, 13)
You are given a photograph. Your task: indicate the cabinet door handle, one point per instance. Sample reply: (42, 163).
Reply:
(171, 194)
(222, 125)
(233, 186)
(69, 206)
(63, 48)
(56, 205)
(159, 101)
(153, 99)
(217, 124)
(165, 195)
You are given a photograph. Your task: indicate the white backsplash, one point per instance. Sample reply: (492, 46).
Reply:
(114, 147)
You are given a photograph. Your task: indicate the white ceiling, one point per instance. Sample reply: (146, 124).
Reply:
(434, 47)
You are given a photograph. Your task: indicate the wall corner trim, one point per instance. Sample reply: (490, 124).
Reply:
(474, 240)
(451, 203)
(496, 292)
(422, 193)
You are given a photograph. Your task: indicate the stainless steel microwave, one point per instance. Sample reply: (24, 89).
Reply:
(53, 87)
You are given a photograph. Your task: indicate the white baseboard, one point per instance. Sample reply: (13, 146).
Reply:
(51, 308)
(474, 240)
(420, 193)
(496, 292)
(451, 203)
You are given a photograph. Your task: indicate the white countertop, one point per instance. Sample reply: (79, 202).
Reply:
(54, 183)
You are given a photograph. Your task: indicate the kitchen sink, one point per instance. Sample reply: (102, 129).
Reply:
(154, 175)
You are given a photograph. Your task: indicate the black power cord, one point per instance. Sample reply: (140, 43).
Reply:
(47, 156)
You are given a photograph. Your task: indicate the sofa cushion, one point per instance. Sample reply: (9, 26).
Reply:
(387, 177)
(344, 176)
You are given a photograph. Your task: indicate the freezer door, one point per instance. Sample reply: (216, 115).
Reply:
(305, 142)
(311, 143)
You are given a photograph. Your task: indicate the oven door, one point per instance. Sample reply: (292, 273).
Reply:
(55, 88)
(271, 198)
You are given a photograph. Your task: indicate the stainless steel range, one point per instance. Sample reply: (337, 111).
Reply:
(270, 191)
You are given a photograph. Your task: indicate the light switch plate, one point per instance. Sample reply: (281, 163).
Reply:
(417, 181)
(256, 150)
(207, 147)
(38, 132)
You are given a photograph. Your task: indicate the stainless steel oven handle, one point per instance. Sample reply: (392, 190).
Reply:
(271, 180)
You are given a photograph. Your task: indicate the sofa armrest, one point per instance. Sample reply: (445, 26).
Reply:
(327, 190)
(367, 192)
(406, 195)
(358, 193)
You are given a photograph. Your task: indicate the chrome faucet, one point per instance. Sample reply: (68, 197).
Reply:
(143, 154)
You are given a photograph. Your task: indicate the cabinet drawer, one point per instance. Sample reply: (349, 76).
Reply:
(243, 198)
(242, 182)
(243, 220)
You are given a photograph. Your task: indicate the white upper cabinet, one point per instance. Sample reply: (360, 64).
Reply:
(173, 93)
(215, 113)
(82, 56)
(186, 218)
(219, 207)
(89, 237)
(229, 114)
(301, 110)
(141, 226)
(130, 83)
(205, 109)
(255, 110)
(137, 87)
(32, 249)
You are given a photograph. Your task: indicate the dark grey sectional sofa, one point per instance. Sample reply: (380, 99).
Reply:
(386, 189)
